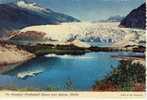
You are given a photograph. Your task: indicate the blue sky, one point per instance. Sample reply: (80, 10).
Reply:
(90, 9)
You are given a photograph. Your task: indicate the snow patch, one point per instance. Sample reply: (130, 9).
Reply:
(30, 6)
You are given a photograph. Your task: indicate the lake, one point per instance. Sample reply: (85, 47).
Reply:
(58, 71)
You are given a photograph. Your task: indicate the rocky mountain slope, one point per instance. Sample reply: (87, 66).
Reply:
(11, 54)
(136, 18)
(14, 16)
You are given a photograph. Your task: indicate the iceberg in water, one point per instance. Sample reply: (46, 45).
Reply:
(26, 74)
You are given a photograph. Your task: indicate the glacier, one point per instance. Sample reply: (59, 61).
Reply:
(100, 32)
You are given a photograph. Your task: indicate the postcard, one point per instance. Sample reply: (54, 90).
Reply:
(73, 48)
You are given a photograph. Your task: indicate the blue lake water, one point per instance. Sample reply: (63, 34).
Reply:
(55, 71)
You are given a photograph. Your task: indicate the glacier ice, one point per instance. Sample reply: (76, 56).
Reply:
(90, 32)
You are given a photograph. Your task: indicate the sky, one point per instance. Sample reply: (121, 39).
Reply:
(89, 10)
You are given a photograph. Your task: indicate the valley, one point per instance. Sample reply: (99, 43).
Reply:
(45, 50)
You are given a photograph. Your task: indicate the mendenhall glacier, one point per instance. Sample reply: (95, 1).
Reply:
(45, 50)
(101, 32)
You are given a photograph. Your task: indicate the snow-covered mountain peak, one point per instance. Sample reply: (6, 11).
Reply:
(30, 6)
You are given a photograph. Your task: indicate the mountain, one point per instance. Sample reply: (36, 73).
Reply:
(14, 16)
(116, 18)
(136, 18)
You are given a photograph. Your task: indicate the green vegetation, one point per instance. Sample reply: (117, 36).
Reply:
(14, 88)
(127, 76)
(69, 86)
(42, 49)
(52, 88)
(27, 89)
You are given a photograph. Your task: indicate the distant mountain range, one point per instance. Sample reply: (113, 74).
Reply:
(136, 18)
(116, 18)
(14, 16)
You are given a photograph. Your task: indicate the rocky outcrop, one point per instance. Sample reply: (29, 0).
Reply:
(79, 44)
(136, 18)
(11, 54)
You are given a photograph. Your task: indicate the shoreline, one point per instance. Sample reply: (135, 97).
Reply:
(37, 50)
(18, 89)
(7, 67)
(72, 49)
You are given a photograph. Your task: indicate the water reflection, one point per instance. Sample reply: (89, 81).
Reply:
(6, 68)
(54, 70)
(33, 67)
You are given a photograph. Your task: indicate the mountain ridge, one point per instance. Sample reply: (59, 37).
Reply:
(15, 16)
(136, 18)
